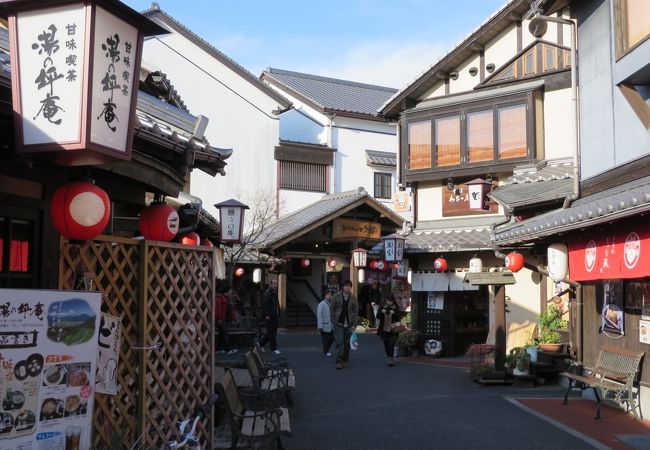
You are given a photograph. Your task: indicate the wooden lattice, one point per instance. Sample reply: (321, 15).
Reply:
(164, 294)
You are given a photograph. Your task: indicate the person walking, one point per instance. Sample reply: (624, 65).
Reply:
(270, 311)
(223, 315)
(388, 315)
(344, 314)
(324, 322)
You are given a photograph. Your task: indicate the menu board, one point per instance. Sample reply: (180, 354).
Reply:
(48, 357)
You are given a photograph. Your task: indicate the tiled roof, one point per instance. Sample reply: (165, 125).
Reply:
(378, 158)
(297, 222)
(612, 204)
(436, 241)
(330, 93)
(531, 184)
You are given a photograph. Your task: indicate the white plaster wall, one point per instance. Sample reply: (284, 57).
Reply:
(429, 204)
(558, 124)
(240, 117)
(436, 91)
(465, 81)
(502, 48)
(522, 298)
(291, 201)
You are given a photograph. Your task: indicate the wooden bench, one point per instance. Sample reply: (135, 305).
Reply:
(269, 366)
(281, 380)
(614, 375)
(264, 425)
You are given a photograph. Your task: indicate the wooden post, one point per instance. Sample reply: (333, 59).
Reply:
(354, 276)
(143, 294)
(500, 327)
(282, 299)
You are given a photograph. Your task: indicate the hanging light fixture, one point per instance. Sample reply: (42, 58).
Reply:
(514, 261)
(190, 238)
(362, 275)
(257, 275)
(80, 210)
(393, 247)
(305, 262)
(239, 271)
(159, 222)
(207, 243)
(331, 263)
(475, 264)
(359, 256)
(231, 219)
(557, 256)
(440, 264)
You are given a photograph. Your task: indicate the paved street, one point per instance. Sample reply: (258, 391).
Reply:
(410, 406)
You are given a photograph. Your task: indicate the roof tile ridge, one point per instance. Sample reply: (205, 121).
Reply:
(273, 70)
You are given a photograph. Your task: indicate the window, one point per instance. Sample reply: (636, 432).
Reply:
(479, 134)
(632, 24)
(419, 135)
(448, 141)
(530, 63)
(383, 185)
(17, 248)
(303, 176)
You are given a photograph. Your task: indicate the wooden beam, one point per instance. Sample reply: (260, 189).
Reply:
(500, 327)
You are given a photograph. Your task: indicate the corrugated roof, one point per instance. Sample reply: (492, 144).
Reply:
(378, 158)
(297, 223)
(619, 202)
(331, 94)
(437, 241)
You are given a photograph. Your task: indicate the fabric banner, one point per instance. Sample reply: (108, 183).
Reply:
(622, 251)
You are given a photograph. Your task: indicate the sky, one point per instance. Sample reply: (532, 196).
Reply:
(388, 43)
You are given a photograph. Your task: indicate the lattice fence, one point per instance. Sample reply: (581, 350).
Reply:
(164, 294)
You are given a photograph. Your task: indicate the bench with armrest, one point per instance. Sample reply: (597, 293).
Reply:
(281, 380)
(243, 329)
(269, 365)
(612, 377)
(261, 424)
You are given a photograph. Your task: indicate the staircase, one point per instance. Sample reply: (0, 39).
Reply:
(299, 315)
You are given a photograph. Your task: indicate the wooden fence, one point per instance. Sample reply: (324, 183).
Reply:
(164, 294)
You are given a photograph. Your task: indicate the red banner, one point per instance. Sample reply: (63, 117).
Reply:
(622, 251)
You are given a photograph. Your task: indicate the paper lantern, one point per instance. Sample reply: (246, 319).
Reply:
(475, 264)
(331, 263)
(239, 271)
(190, 238)
(80, 210)
(373, 265)
(478, 190)
(159, 222)
(393, 247)
(362, 275)
(359, 256)
(409, 276)
(305, 263)
(207, 243)
(440, 264)
(514, 261)
(231, 219)
(381, 265)
(257, 275)
(558, 261)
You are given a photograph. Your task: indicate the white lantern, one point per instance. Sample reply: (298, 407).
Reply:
(359, 256)
(393, 247)
(75, 74)
(408, 276)
(558, 261)
(231, 216)
(362, 275)
(475, 264)
(257, 275)
(478, 190)
(403, 268)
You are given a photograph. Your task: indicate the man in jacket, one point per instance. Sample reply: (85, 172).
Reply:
(344, 314)
(324, 322)
(270, 311)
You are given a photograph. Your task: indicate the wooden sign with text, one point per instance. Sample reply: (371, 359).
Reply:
(350, 228)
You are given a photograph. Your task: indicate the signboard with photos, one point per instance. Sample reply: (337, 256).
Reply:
(48, 358)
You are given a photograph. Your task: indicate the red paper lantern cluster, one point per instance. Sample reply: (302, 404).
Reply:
(440, 264)
(305, 262)
(80, 210)
(239, 271)
(514, 261)
(159, 222)
(190, 238)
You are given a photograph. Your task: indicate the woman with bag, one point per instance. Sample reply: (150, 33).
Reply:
(389, 326)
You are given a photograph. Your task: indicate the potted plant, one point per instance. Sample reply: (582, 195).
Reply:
(550, 321)
(518, 359)
(407, 339)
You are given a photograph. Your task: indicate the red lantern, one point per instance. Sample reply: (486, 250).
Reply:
(239, 271)
(159, 222)
(440, 264)
(373, 265)
(207, 243)
(396, 266)
(514, 261)
(331, 263)
(381, 265)
(305, 262)
(190, 238)
(80, 210)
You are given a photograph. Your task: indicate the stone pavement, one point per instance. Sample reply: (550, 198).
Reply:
(413, 406)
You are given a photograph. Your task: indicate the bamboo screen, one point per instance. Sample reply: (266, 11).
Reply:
(164, 294)
(448, 141)
(480, 136)
(512, 131)
(419, 135)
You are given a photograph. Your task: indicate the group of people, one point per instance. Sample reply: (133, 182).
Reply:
(337, 318)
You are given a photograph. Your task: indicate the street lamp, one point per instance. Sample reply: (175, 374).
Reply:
(231, 218)
(393, 247)
(359, 256)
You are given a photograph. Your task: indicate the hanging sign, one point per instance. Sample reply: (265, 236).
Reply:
(401, 201)
(48, 356)
(350, 228)
(110, 338)
(623, 251)
(435, 300)
(644, 331)
(456, 202)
